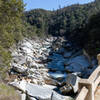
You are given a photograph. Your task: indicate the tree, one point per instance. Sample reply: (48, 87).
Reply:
(11, 12)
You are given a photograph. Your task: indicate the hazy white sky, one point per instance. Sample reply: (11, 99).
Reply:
(51, 4)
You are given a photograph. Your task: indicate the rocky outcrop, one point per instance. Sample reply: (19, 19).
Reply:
(49, 61)
(18, 68)
(30, 57)
(37, 92)
(70, 85)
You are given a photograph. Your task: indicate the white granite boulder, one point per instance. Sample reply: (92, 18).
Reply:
(18, 68)
(38, 92)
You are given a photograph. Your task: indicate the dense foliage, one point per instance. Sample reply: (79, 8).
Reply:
(93, 35)
(38, 19)
(79, 23)
(11, 12)
(63, 21)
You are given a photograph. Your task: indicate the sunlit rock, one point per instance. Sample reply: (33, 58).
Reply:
(38, 92)
(71, 84)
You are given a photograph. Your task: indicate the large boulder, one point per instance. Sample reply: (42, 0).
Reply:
(71, 84)
(73, 67)
(56, 96)
(77, 64)
(31, 98)
(38, 92)
(18, 68)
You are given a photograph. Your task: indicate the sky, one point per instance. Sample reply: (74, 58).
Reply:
(51, 4)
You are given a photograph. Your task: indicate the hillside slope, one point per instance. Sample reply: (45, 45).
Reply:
(71, 22)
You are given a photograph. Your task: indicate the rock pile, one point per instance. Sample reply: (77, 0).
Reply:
(38, 92)
(49, 61)
(30, 58)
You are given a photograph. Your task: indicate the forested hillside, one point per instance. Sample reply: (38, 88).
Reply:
(72, 22)
(63, 21)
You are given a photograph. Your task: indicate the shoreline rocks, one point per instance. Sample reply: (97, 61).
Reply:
(37, 92)
(49, 62)
(71, 84)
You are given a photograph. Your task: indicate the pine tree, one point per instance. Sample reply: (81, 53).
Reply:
(11, 12)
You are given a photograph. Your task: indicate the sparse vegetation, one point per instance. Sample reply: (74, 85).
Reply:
(8, 93)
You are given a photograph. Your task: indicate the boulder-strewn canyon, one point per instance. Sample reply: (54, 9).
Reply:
(45, 53)
(46, 68)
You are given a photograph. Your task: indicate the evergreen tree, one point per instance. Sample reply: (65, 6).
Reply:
(11, 12)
